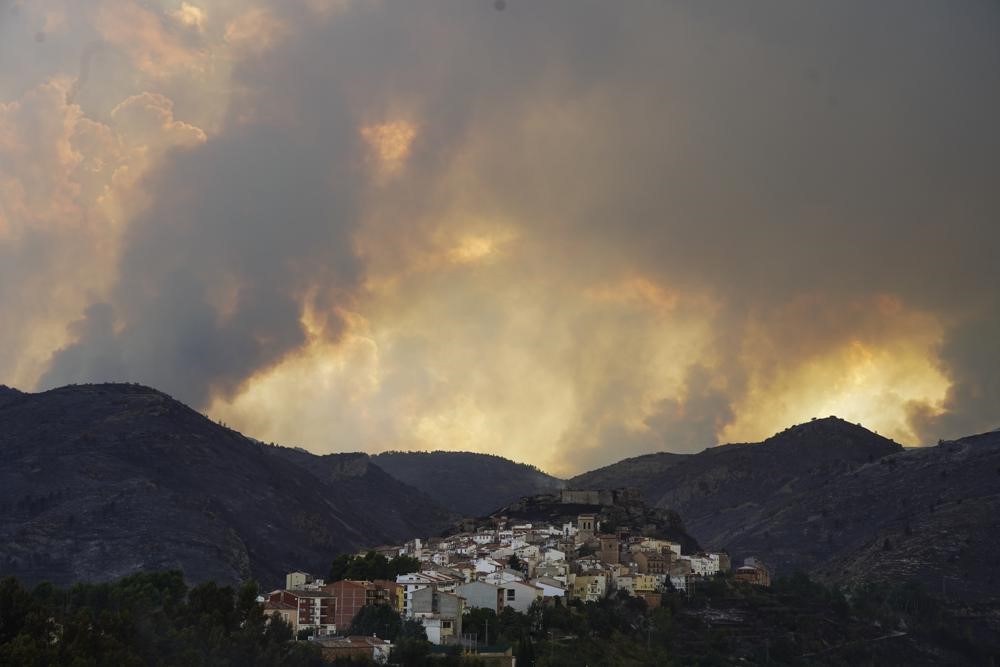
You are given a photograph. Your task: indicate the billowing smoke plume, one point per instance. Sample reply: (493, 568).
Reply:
(566, 231)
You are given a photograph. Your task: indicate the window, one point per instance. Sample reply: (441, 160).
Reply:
(510, 593)
(446, 625)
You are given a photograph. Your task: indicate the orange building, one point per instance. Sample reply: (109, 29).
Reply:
(304, 609)
(352, 595)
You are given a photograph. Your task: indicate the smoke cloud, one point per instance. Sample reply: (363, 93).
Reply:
(566, 232)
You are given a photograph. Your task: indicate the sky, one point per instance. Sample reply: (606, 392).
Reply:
(562, 231)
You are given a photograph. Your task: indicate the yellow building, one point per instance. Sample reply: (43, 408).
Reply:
(590, 587)
(645, 583)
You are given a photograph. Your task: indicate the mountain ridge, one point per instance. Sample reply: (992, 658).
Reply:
(469, 483)
(838, 501)
(98, 481)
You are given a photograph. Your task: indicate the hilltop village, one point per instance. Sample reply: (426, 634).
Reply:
(503, 563)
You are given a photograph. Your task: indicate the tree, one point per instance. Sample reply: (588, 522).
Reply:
(378, 619)
(404, 565)
(512, 624)
(525, 651)
(479, 621)
(146, 618)
(413, 629)
(371, 566)
(411, 652)
(338, 569)
(516, 563)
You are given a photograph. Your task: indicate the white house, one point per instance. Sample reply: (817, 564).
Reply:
(704, 564)
(519, 595)
(557, 570)
(554, 555)
(528, 551)
(684, 582)
(550, 588)
(505, 576)
(481, 595)
(416, 581)
(625, 583)
(486, 565)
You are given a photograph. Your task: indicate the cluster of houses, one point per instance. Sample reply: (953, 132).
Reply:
(509, 565)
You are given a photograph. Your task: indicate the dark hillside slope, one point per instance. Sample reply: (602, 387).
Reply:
(467, 483)
(841, 502)
(727, 494)
(928, 514)
(639, 472)
(708, 484)
(98, 481)
(400, 506)
(7, 394)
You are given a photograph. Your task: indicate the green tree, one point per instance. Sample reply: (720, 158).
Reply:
(516, 563)
(378, 619)
(479, 621)
(371, 566)
(411, 652)
(404, 565)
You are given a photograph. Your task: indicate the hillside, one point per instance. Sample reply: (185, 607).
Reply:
(637, 472)
(930, 514)
(839, 501)
(467, 483)
(98, 481)
(7, 394)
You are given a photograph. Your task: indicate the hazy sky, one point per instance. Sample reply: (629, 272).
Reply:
(564, 231)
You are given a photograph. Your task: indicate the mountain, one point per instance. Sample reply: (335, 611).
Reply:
(834, 499)
(7, 394)
(931, 514)
(99, 481)
(638, 472)
(464, 482)
(703, 483)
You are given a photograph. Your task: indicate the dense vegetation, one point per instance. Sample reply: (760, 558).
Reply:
(155, 619)
(410, 645)
(143, 619)
(723, 622)
(797, 621)
(371, 566)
